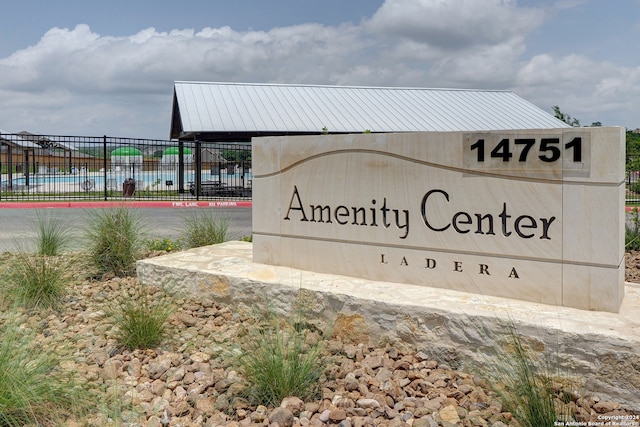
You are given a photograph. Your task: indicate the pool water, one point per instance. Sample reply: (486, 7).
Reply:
(146, 180)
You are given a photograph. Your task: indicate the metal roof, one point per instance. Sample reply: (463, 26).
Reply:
(228, 109)
(16, 140)
(46, 142)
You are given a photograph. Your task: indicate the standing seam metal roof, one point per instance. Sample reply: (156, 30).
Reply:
(278, 108)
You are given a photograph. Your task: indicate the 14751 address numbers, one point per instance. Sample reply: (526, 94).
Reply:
(547, 149)
(528, 153)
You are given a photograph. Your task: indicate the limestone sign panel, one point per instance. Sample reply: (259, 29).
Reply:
(535, 215)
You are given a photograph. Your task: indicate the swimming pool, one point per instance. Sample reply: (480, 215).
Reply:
(145, 180)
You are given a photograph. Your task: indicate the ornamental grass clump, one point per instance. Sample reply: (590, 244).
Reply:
(116, 240)
(632, 232)
(141, 318)
(281, 359)
(35, 281)
(52, 236)
(526, 385)
(206, 228)
(32, 389)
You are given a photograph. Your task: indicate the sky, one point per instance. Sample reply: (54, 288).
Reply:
(75, 67)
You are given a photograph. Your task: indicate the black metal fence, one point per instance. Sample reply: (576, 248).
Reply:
(53, 167)
(633, 180)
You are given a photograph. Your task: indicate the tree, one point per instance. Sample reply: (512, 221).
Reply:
(236, 155)
(633, 151)
(633, 143)
(571, 121)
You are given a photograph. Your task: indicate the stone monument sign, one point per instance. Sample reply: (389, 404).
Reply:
(535, 215)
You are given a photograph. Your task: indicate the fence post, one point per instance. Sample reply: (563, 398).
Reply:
(104, 165)
(198, 162)
(180, 167)
(25, 167)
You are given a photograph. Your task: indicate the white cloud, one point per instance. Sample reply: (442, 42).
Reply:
(486, 67)
(78, 81)
(83, 72)
(586, 88)
(455, 24)
(455, 43)
(79, 59)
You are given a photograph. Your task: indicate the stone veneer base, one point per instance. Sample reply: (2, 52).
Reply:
(600, 349)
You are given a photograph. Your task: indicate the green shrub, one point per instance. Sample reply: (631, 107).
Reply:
(280, 360)
(140, 318)
(206, 228)
(631, 240)
(32, 390)
(36, 281)
(166, 245)
(116, 240)
(52, 235)
(635, 187)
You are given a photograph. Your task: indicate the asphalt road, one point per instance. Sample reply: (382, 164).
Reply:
(18, 226)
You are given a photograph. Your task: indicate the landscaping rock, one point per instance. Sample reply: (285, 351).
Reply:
(193, 377)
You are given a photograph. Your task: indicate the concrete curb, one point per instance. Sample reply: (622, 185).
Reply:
(129, 203)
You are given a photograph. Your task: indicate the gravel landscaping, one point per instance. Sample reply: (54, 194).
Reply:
(193, 378)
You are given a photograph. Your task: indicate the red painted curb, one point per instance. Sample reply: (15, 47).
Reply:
(132, 203)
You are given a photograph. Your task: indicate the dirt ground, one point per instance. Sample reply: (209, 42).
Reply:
(632, 266)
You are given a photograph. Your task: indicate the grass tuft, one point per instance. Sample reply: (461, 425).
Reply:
(52, 235)
(116, 240)
(36, 281)
(32, 391)
(632, 232)
(206, 228)
(526, 385)
(141, 318)
(528, 395)
(280, 360)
